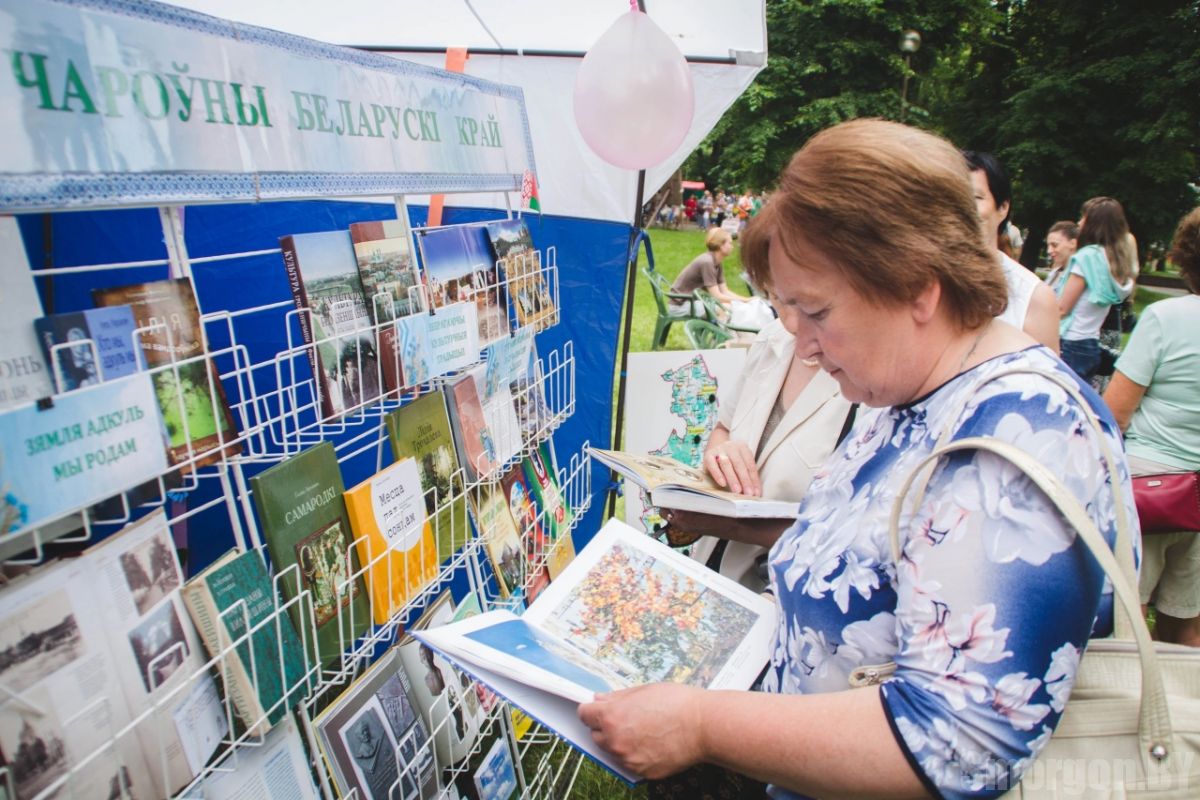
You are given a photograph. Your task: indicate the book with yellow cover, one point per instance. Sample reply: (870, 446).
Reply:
(393, 536)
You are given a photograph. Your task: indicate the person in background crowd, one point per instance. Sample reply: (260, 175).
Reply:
(1155, 396)
(1061, 243)
(1099, 276)
(1031, 304)
(705, 272)
(704, 208)
(876, 249)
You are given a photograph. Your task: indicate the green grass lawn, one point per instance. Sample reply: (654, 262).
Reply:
(673, 250)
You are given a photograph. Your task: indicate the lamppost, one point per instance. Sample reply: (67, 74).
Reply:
(910, 42)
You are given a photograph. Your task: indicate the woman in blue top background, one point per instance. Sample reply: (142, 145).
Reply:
(1099, 276)
(876, 252)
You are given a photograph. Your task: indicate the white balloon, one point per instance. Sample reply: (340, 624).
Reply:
(634, 98)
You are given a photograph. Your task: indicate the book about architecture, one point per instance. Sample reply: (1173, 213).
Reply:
(445, 697)
(457, 266)
(675, 485)
(375, 740)
(501, 539)
(275, 770)
(199, 427)
(24, 376)
(421, 431)
(86, 347)
(303, 519)
(628, 611)
(261, 661)
(394, 536)
(391, 285)
(135, 578)
(521, 268)
(334, 322)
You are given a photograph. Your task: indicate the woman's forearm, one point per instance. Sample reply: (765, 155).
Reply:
(823, 745)
(812, 744)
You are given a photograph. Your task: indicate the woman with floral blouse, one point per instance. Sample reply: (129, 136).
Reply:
(876, 247)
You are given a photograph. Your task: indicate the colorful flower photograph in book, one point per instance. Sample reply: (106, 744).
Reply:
(648, 622)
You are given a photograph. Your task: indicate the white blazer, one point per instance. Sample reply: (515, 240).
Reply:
(803, 439)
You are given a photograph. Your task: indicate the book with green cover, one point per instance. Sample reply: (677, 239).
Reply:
(421, 431)
(266, 666)
(304, 523)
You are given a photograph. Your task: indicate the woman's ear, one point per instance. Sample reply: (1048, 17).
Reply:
(926, 303)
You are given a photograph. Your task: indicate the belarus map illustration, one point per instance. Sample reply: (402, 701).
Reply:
(694, 401)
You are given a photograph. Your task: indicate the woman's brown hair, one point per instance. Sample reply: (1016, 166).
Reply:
(893, 207)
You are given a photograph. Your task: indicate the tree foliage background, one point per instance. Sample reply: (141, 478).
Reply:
(1077, 97)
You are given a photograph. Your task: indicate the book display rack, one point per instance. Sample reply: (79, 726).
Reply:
(129, 673)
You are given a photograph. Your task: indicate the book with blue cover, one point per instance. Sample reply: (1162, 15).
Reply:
(98, 343)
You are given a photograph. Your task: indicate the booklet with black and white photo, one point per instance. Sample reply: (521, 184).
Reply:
(627, 611)
(675, 485)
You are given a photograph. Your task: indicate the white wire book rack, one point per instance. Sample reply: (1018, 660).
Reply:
(275, 405)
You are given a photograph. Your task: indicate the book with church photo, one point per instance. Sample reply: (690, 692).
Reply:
(521, 266)
(334, 322)
(627, 611)
(675, 485)
(391, 285)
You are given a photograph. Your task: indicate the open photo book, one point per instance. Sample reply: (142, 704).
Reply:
(675, 485)
(627, 611)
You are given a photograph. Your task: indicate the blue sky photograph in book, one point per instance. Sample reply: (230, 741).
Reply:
(517, 639)
(648, 622)
(496, 779)
(458, 266)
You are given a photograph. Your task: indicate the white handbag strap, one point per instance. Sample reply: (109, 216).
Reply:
(1123, 546)
(1154, 721)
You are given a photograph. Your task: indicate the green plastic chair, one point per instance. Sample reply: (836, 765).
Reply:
(715, 313)
(704, 335)
(661, 290)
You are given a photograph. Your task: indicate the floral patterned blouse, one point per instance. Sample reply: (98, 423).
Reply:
(993, 600)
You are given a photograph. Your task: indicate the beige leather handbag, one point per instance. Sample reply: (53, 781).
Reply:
(1131, 728)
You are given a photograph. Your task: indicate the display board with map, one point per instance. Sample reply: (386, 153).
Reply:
(679, 396)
